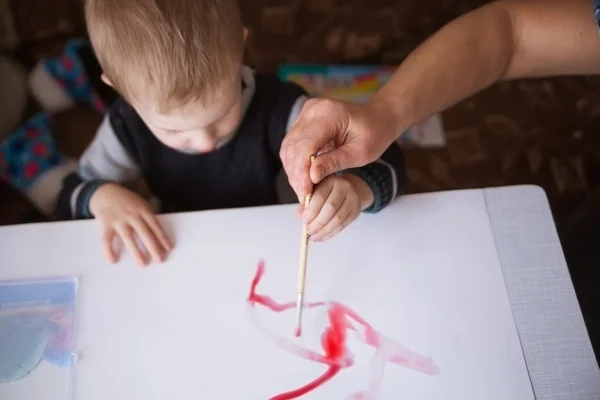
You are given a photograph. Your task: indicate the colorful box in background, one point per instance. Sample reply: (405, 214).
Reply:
(357, 84)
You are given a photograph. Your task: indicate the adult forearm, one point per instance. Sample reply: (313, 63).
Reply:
(502, 40)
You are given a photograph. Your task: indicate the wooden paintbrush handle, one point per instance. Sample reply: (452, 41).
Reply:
(304, 246)
(303, 252)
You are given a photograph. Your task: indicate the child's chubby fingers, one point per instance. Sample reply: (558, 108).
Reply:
(149, 239)
(343, 213)
(107, 241)
(317, 201)
(328, 210)
(162, 237)
(343, 225)
(125, 232)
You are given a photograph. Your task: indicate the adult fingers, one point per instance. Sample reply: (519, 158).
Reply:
(125, 232)
(149, 239)
(355, 151)
(154, 224)
(107, 245)
(326, 213)
(307, 138)
(299, 177)
(300, 210)
(295, 158)
(329, 163)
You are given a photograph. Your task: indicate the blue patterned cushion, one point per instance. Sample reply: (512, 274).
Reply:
(28, 153)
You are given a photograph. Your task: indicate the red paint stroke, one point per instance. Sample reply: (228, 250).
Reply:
(342, 320)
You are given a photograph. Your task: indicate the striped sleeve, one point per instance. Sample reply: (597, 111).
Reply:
(386, 177)
(105, 160)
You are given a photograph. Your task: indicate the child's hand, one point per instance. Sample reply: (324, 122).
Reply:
(336, 202)
(122, 212)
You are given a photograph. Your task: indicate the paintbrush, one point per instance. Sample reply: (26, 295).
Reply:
(302, 268)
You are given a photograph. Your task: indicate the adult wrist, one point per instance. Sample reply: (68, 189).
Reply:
(388, 109)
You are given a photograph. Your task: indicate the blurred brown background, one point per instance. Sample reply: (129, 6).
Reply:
(539, 132)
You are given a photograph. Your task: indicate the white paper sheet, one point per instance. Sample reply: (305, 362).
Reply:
(47, 381)
(423, 272)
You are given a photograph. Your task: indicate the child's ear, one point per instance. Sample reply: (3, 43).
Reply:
(106, 80)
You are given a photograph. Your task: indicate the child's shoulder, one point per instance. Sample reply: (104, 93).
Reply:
(272, 86)
(124, 118)
(276, 98)
(126, 124)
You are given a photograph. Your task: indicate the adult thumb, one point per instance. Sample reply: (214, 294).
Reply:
(329, 163)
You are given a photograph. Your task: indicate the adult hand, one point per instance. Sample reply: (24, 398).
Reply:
(343, 135)
(498, 41)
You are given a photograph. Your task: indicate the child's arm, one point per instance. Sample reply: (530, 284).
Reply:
(105, 160)
(98, 189)
(339, 199)
(386, 176)
(336, 202)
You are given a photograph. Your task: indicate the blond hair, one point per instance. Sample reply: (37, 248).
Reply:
(170, 52)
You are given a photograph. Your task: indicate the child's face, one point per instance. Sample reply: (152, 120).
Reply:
(196, 127)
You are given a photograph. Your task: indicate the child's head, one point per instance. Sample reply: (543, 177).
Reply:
(177, 62)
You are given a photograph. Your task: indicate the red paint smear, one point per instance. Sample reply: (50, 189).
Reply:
(294, 394)
(333, 341)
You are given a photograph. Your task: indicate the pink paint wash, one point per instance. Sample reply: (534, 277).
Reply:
(342, 321)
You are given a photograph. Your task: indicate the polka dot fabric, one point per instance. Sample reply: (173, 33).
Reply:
(29, 153)
(68, 70)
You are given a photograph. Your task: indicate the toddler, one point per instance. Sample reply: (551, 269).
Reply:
(202, 129)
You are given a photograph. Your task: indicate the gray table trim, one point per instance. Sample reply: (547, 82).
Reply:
(551, 328)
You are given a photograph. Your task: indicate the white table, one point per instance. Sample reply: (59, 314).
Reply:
(555, 344)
